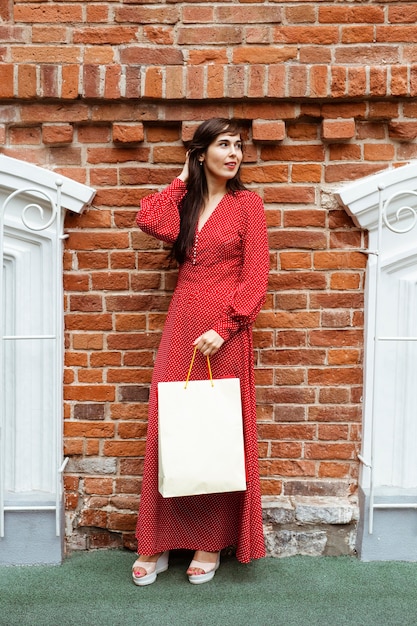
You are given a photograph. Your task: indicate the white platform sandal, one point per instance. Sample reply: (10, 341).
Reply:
(152, 570)
(209, 570)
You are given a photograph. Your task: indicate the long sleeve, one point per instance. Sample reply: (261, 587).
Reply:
(158, 215)
(249, 295)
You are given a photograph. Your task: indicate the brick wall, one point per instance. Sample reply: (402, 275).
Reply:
(108, 93)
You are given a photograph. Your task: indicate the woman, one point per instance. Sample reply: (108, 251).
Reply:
(219, 238)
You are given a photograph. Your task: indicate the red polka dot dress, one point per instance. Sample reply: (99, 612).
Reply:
(221, 285)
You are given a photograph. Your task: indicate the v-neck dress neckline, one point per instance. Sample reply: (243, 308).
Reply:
(198, 231)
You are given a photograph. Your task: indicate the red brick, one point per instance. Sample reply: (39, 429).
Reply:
(287, 431)
(319, 81)
(198, 14)
(73, 447)
(339, 260)
(302, 131)
(295, 153)
(114, 35)
(27, 82)
(277, 81)
(379, 152)
(53, 134)
(5, 10)
(334, 376)
(326, 35)
(299, 357)
(88, 321)
(263, 130)
(97, 14)
(399, 81)
(383, 110)
(394, 34)
(333, 470)
(297, 81)
(297, 280)
(128, 133)
(133, 81)
(154, 77)
(297, 239)
(71, 483)
(357, 34)
(25, 135)
(91, 81)
(265, 174)
(295, 260)
(124, 448)
(306, 173)
(147, 15)
(271, 487)
(98, 486)
(304, 218)
(335, 338)
(208, 56)
(356, 81)
(403, 131)
(257, 80)
(315, 55)
(338, 81)
(378, 81)
(270, 55)
(155, 56)
(366, 54)
(215, 81)
(93, 517)
(300, 14)
(333, 432)
(330, 451)
(210, 35)
(404, 14)
(338, 129)
(49, 81)
(348, 171)
(345, 152)
(344, 357)
(194, 82)
(287, 468)
(90, 393)
(295, 194)
(122, 521)
(71, 501)
(335, 319)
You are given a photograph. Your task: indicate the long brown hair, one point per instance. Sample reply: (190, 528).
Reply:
(197, 190)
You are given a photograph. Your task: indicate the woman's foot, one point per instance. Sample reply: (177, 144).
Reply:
(146, 568)
(203, 567)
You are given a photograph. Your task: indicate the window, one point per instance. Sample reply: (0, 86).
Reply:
(31, 346)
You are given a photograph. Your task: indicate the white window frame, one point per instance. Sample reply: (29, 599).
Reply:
(34, 206)
(386, 205)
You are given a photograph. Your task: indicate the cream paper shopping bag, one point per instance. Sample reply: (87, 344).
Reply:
(201, 446)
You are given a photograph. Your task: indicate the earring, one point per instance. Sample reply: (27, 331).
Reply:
(201, 163)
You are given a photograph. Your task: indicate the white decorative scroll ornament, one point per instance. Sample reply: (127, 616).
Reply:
(401, 213)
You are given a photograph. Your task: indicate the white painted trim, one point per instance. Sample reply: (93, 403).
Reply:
(16, 174)
(386, 205)
(33, 200)
(361, 198)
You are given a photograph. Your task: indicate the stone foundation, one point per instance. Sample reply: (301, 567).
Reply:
(313, 526)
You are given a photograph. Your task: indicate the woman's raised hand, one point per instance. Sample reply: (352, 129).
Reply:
(185, 171)
(209, 343)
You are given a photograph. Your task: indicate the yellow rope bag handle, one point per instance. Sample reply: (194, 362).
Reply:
(191, 367)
